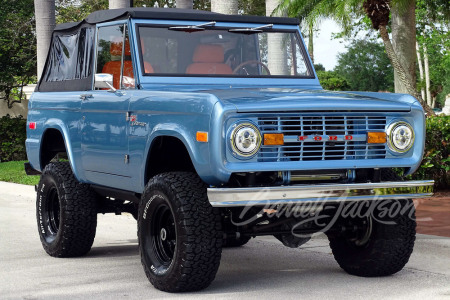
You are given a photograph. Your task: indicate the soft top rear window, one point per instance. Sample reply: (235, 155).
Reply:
(69, 65)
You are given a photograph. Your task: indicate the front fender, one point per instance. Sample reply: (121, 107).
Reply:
(198, 152)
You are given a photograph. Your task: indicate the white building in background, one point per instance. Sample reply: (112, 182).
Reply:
(446, 109)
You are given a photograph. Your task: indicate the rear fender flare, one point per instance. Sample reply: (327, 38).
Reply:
(61, 127)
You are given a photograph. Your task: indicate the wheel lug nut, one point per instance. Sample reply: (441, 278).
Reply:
(163, 234)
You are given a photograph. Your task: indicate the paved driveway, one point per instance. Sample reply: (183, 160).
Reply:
(263, 269)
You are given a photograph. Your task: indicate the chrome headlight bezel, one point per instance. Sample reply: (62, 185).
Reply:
(391, 132)
(236, 128)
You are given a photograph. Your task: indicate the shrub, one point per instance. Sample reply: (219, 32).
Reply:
(332, 81)
(12, 138)
(436, 159)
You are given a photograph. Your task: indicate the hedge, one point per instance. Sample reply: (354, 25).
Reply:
(435, 165)
(436, 159)
(12, 138)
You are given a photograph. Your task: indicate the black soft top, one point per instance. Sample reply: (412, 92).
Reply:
(172, 14)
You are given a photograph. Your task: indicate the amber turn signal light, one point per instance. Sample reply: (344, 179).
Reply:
(202, 136)
(272, 139)
(376, 137)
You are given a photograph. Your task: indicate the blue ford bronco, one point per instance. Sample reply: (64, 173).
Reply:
(212, 129)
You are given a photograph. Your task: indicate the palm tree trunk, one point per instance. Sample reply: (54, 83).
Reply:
(419, 61)
(186, 4)
(45, 23)
(427, 75)
(277, 54)
(402, 75)
(403, 24)
(311, 42)
(228, 7)
(119, 4)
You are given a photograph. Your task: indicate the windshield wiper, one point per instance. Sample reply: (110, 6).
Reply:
(192, 28)
(250, 30)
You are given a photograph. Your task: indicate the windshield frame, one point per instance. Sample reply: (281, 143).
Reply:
(225, 26)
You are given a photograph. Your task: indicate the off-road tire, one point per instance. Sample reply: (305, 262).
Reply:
(190, 260)
(66, 212)
(389, 246)
(233, 242)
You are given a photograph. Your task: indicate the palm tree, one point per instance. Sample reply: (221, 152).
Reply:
(378, 11)
(311, 42)
(419, 61)
(277, 55)
(119, 4)
(229, 7)
(185, 4)
(403, 27)
(45, 23)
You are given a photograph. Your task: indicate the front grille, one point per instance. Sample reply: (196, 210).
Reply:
(324, 126)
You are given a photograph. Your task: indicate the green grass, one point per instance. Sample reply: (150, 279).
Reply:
(13, 171)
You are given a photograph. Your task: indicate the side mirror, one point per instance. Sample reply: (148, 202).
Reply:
(104, 81)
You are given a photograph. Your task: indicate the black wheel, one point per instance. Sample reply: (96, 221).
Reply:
(381, 242)
(66, 212)
(230, 242)
(179, 232)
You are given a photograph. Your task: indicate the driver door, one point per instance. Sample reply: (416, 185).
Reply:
(104, 112)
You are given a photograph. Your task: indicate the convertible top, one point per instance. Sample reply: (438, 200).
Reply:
(171, 14)
(71, 54)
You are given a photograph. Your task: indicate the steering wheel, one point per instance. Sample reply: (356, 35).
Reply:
(250, 62)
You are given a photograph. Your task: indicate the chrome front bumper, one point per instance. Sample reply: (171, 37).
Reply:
(294, 194)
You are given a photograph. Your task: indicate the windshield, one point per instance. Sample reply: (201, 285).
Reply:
(187, 51)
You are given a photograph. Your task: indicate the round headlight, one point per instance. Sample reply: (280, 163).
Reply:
(401, 137)
(245, 139)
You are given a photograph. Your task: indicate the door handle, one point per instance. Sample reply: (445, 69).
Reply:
(86, 96)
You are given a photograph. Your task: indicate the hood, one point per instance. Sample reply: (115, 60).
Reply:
(284, 99)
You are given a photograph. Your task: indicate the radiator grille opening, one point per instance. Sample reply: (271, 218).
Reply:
(326, 125)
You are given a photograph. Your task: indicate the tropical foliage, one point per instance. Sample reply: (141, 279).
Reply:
(366, 67)
(73, 11)
(252, 7)
(17, 49)
(12, 138)
(345, 11)
(331, 80)
(433, 37)
(436, 161)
